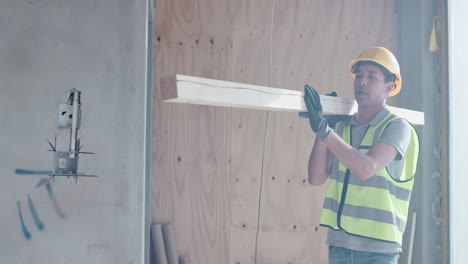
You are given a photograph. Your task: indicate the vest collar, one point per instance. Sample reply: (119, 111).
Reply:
(375, 120)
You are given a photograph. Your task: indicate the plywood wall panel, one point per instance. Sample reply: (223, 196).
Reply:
(290, 207)
(232, 197)
(251, 62)
(246, 168)
(313, 42)
(190, 186)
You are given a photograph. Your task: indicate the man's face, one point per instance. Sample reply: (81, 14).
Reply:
(370, 88)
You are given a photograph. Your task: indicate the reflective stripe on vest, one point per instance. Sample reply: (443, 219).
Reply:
(376, 207)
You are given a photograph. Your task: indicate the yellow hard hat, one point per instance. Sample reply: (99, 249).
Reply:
(383, 57)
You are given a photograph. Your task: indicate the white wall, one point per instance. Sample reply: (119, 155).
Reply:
(458, 125)
(47, 48)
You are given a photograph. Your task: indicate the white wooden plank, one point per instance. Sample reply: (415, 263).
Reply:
(195, 90)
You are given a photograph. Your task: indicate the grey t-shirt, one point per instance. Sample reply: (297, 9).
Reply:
(397, 134)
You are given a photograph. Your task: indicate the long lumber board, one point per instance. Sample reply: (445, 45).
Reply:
(195, 90)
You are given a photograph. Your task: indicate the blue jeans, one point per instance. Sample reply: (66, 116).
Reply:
(340, 255)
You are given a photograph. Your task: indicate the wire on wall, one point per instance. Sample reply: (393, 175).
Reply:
(270, 66)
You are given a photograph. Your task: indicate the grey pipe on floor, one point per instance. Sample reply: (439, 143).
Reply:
(159, 249)
(170, 244)
(184, 260)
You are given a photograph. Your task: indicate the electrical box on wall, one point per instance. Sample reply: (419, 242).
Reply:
(66, 162)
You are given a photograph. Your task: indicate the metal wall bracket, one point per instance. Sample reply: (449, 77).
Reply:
(65, 116)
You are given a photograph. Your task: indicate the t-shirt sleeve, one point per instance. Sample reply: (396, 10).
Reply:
(397, 134)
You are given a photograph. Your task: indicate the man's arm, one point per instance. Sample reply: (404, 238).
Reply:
(319, 163)
(364, 165)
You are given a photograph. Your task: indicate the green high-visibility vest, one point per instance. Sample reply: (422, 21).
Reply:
(377, 207)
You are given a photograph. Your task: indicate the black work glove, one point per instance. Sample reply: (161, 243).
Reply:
(318, 122)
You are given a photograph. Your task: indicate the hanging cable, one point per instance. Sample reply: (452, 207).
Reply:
(270, 65)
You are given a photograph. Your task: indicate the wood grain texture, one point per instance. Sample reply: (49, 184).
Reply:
(313, 43)
(204, 91)
(192, 143)
(195, 90)
(230, 196)
(251, 58)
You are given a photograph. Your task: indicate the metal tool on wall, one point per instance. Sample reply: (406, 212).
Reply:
(66, 162)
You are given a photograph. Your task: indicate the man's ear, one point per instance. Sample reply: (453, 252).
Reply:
(390, 86)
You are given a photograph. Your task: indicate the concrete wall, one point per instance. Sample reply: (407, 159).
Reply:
(421, 91)
(458, 143)
(46, 49)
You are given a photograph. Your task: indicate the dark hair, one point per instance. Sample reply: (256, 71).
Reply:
(388, 76)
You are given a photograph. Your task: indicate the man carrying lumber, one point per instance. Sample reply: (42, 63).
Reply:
(371, 159)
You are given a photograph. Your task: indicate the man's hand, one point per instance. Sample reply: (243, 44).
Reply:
(318, 123)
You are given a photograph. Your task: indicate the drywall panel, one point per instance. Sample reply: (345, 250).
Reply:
(192, 143)
(48, 48)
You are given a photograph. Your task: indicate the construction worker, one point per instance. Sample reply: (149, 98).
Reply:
(371, 159)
